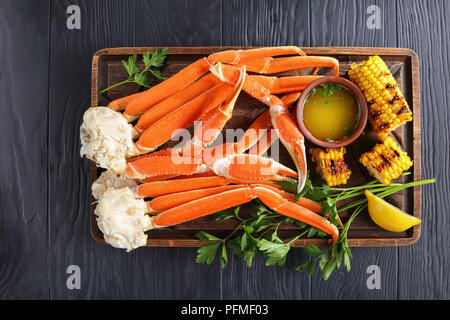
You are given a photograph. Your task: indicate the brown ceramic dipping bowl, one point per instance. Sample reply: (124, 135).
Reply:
(360, 99)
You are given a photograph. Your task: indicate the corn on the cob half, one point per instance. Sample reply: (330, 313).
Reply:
(331, 166)
(388, 108)
(386, 161)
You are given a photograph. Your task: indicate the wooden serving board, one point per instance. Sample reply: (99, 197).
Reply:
(107, 69)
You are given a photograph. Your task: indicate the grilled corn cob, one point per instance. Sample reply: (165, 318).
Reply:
(386, 161)
(331, 166)
(388, 108)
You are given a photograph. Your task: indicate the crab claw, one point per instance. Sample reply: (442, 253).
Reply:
(293, 140)
(249, 167)
(287, 130)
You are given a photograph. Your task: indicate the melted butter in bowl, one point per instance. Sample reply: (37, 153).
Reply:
(331, 112)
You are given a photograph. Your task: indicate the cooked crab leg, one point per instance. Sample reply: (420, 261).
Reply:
(122, 212)
(119, 104)
(174, 101)
(108, 140)
(264, 143)
(239, 57)
(270, 65)
(230, 198)
(182, 117)
(234, 166)
(289, 98)
(254, 132)
(172, 200)
(295, 211)
(187, 114)
(217, 118)
(135, 107)
(251, 136)
(271, 136)
(213, 122)
(282, 121)
(285, 84)
(159, 188)
(143, 101)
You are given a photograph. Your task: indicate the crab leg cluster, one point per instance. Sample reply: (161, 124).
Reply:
(124, 216)
(196, 180)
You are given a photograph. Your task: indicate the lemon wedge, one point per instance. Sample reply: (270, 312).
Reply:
(388, 217)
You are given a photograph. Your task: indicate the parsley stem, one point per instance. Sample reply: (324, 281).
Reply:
(386, 191)
(117, 84)
(234, 231)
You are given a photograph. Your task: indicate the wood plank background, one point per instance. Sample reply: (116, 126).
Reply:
(44, 194)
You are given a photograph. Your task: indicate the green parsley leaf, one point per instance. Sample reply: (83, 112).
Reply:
(312, 250)
(328, 269)
(347, 261)
(248, 256)
(157, 74)
(308, 266)
(273, 249)
(206, 237)
(302, 267)
(207, 253)
(288, 185)
(244, 241)
(324, 259)
(223, 257)
(235, 244)
(157, 58)
(142, 80)
(132, 65)
(224, 215)
(312, 232)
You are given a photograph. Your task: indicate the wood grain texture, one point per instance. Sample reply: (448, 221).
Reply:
(262, 282)
(24, 30)
(171, 273)
(343, 23)
(268, 23)
(105, 272)
(424, 27)
(178, 22)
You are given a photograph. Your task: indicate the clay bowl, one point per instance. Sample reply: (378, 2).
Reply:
(362, 120)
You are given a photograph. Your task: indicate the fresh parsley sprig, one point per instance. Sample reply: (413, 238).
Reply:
(259, 232)
(258, 236)
(142, 77)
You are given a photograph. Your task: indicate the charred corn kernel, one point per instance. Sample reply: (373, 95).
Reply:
(386, 161)
(331, 166)
(388, 108)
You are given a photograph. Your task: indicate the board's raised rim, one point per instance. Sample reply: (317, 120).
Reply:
(341, 50)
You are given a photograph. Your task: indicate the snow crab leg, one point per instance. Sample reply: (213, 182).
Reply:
(123, 214)
(133, 108)
(226, 199)
(282, 121)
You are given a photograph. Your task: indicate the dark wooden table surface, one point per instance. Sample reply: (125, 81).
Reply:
(44, 184)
